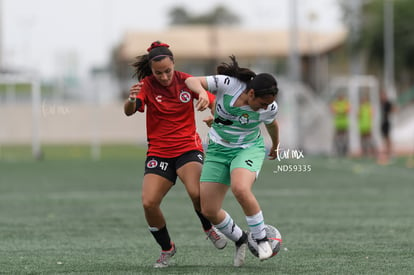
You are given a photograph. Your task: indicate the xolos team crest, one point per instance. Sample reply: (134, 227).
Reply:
(185, 96)
(152, 163)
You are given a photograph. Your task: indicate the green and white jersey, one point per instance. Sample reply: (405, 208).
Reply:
(235, 126)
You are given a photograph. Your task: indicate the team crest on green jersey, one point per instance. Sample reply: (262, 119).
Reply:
(244, 119)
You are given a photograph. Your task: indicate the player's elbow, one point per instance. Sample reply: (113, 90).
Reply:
(128, 111)
(195, 83)
(191, 82)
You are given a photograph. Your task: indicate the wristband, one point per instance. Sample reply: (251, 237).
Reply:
(132, 99)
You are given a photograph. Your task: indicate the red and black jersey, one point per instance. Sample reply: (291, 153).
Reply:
(171, 127)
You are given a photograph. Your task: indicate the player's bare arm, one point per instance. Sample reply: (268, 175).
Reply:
(210, 119)
(130, 103)
(199, 86)
(273, 130)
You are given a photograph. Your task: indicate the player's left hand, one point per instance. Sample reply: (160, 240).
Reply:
(272, 154)
(203, 101)
(209, 121)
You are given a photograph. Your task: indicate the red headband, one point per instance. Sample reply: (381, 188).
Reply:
(156, 45)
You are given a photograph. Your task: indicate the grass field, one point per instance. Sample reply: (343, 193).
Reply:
(70, 214)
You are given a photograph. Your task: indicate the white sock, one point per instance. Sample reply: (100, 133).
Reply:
(231, 230)
(256, 225)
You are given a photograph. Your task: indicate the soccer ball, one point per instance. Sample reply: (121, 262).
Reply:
(275, 240)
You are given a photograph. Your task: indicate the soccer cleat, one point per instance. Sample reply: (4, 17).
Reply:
(264, 250)
(216, 237)
(240, 253)
(165, 257)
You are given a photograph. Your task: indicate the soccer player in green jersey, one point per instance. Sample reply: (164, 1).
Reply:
(236, 149)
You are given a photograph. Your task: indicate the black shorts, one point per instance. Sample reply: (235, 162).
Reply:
(167, 167)
(385, 129)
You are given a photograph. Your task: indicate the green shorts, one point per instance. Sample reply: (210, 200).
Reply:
(221, 160)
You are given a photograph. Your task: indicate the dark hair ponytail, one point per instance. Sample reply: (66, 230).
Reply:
(233, 69)
(263, 84)
(141, 67)
(156, 52)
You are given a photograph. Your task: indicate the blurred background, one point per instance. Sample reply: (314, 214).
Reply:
(65, 67)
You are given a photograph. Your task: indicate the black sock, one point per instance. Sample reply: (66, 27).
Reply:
(163, 238)
(205, 223)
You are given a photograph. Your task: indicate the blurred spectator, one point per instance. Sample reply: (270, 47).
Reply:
(340, 108)
(387, 107)
(365, 116)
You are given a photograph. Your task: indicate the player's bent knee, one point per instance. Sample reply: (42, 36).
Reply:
(209, 213)
(241, 193)
(149, 205)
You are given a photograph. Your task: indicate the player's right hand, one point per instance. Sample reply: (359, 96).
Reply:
(134, 91)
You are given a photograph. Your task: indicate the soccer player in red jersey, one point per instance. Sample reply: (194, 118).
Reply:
(174, 146)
